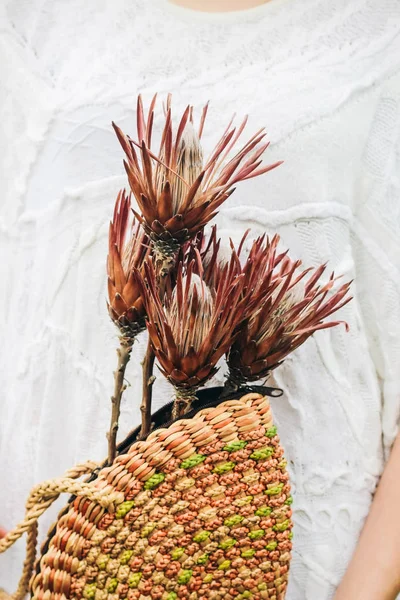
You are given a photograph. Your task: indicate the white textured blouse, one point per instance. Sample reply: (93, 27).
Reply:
(323, 77)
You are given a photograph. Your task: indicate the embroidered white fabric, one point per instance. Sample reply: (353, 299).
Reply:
(323, 77)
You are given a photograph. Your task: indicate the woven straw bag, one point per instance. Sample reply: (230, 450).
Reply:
(199, 510)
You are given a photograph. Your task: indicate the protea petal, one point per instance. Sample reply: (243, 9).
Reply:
(165, 205)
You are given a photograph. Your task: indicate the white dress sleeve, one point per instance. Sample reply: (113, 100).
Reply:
(376, 239)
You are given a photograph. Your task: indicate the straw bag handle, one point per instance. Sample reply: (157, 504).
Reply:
(41, 497)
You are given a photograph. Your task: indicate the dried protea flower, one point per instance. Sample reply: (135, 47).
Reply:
(177, 191)
(193, 327)
(292, 309)
(128, 248)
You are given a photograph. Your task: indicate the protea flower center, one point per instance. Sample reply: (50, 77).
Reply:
(279, 317)
(191, 330)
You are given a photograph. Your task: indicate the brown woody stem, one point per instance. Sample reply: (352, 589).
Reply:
(183, 402)
(124, 353)
(148, 380)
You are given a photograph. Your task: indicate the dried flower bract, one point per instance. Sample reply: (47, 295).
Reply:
(128, 248)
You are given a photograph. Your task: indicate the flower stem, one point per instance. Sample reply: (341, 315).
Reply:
(148, 380)
(183, 402)
(124, 353)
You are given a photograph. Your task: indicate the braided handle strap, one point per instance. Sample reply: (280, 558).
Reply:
(40, 498)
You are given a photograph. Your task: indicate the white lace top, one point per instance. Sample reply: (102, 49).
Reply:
(323, 77)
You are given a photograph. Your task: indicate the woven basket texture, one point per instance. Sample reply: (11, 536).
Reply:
(203, 513)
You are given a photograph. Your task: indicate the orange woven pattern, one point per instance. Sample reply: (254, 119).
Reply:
(206, 516)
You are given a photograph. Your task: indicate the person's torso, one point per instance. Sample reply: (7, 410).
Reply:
(311, 73)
